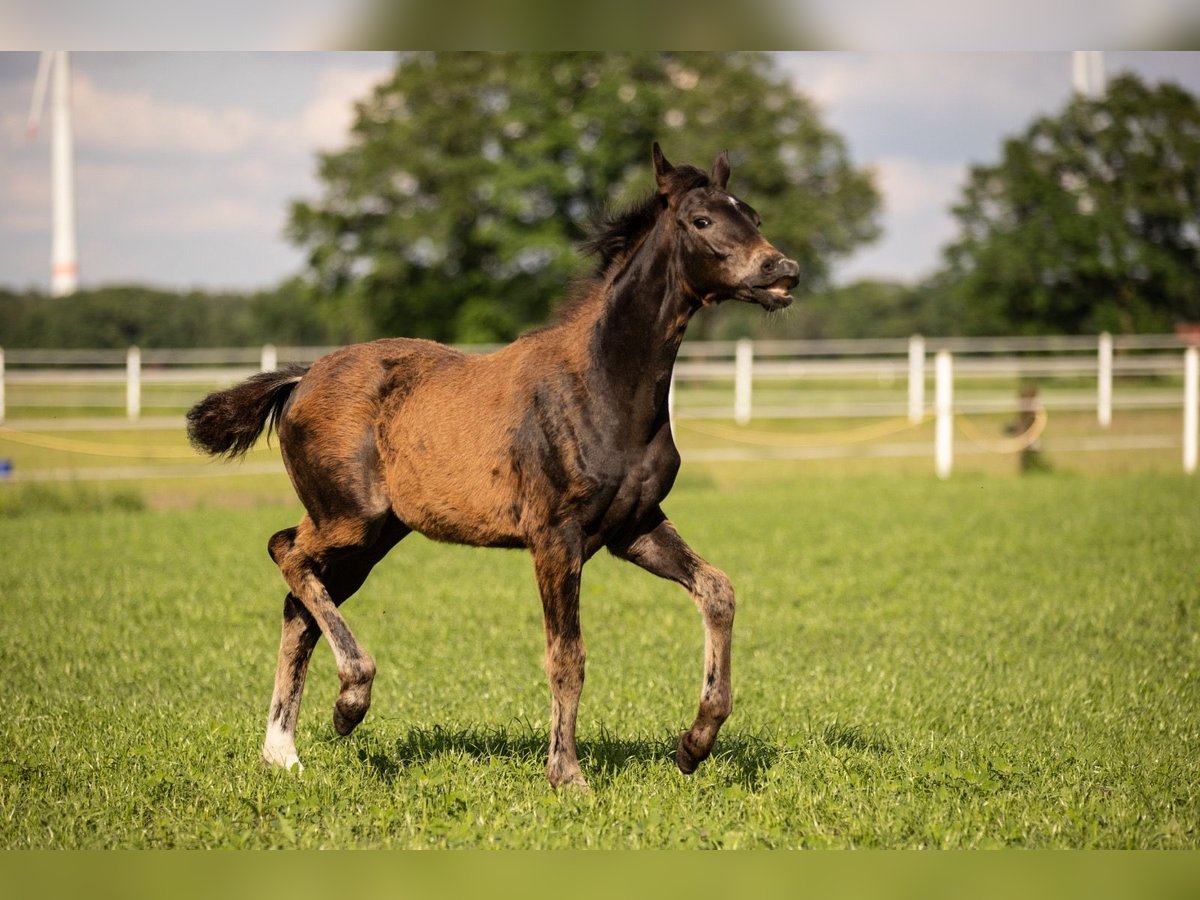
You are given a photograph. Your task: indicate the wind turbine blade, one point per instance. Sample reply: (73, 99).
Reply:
(39, 93)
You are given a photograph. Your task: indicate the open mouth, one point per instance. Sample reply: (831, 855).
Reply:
(775, 295)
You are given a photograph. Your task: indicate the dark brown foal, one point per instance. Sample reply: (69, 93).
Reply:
(559, 443)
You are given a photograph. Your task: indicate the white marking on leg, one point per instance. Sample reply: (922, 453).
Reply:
(279, 748)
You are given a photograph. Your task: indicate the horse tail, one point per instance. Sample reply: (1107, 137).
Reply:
(227, 423)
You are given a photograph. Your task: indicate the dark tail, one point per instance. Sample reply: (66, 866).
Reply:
(227, 423)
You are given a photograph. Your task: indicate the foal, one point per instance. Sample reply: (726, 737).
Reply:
(559, 443)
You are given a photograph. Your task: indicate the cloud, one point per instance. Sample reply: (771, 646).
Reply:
(935, 105)
(136, 122)
(917, 196)
(171, 187)
(326, 120)
(912, 187)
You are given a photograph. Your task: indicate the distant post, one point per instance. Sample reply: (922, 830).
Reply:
(1104, 380)
(916, 378)
(270, 358)
(133, 383)
(1, 384)
(944, 410)
(671, 402)
(743, 380)
(1191, 408)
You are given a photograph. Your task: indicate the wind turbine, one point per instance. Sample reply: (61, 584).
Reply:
(1087, 72)
(54, 72)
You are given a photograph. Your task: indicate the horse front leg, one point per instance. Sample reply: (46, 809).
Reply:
(657, 547)
(558, 564)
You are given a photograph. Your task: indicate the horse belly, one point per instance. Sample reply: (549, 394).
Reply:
(450, 480)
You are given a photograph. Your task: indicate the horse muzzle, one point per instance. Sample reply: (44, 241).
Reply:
(772, 285)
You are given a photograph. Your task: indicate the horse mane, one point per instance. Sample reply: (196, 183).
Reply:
(615, 233)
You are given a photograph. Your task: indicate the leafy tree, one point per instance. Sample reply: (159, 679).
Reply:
(470, 178)
(1091, 220)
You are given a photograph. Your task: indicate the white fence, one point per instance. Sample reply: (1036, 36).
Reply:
(875, 379)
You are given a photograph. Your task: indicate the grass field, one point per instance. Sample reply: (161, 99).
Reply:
(990, 661)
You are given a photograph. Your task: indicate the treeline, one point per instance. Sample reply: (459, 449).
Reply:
(119, 316)
(292, 314)
(133, 315)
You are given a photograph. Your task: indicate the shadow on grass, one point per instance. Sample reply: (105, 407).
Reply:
(601, 756)
(838, 735)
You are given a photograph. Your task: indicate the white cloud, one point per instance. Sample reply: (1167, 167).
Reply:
(916, 219)
(327, 118)
(136, 122)
(915, 187)
(942, 103)
(174, 190)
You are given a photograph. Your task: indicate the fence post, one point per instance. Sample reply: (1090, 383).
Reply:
(270, 358)
(944, 408)
(916, 378)
(1191, 408)
(2, 410)
(1104, 380)
(133, 383)
(743, 380)
(671, 402)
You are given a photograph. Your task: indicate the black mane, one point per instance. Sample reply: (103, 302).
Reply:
(616, 232)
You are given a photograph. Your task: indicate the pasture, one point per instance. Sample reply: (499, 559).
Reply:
(988, 661)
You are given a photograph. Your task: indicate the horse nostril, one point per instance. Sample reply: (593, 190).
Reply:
(768, 265)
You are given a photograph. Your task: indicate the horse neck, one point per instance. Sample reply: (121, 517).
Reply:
(642, 319)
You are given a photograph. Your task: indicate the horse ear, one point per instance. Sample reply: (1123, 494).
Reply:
(720, 170)
(663, 170)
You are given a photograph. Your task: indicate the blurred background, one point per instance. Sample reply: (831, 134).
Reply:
(224, 211)
(349, 188)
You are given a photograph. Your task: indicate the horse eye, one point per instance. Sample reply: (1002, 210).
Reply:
(702, 222)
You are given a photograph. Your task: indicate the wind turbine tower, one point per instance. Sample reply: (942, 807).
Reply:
(1087, 73)
(54, 72)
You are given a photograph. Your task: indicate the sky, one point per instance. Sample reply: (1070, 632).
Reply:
(186, 162)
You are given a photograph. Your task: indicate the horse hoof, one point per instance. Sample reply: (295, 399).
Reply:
(289, 762)
(575, 784)
(566, 778)
(345, 722)
(685, 758)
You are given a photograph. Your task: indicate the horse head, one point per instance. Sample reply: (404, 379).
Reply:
(722, 253)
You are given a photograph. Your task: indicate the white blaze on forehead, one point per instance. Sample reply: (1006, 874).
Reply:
(733, 201)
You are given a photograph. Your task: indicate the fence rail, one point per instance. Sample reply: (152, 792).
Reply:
(747, 380)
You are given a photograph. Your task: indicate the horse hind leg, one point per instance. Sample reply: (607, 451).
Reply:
(310, 610)
(300, 634)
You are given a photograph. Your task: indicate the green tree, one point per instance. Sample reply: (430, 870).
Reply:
(469, 179)
(1091, 220)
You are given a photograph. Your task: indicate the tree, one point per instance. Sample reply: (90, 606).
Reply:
(470, 178)
(1091, 220)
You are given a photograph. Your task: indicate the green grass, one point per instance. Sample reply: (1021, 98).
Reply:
(990, 661)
